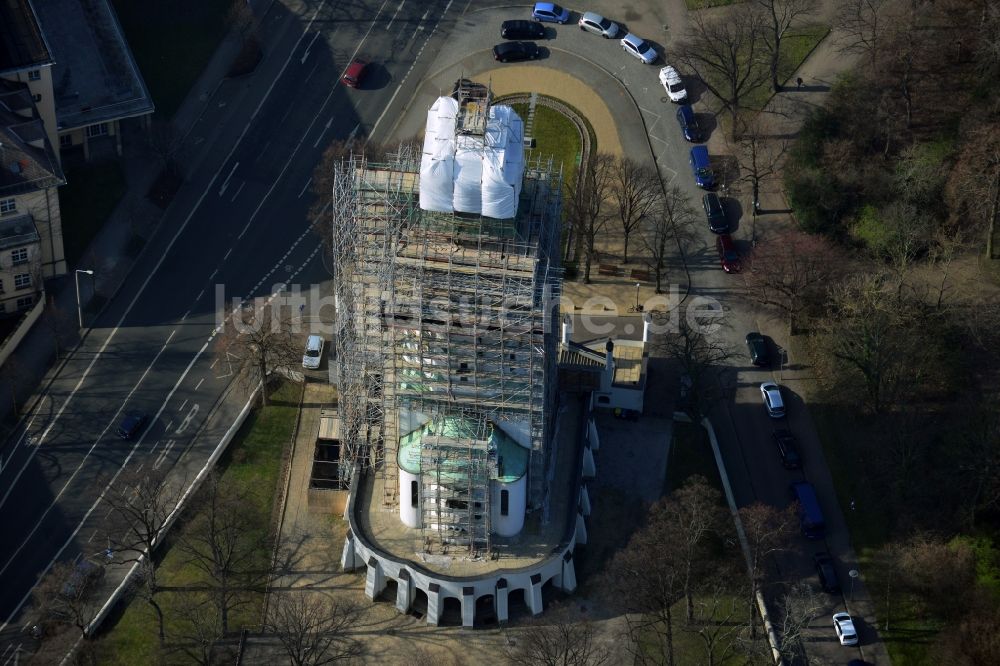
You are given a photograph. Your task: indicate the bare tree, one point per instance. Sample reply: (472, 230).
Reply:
(973, 190)
(637, 191)
(140, 504)
(59, 323)
(224, 541)
(557, 642)
(197, 629)
(645, 579)
(726, 55)
(790, 274)
(256, 341)
(586, 204)
(66, 595)
(672, 223)
(164, 144)
(777, 17)
(758, 155)
(718, 618)
(768, 530)
(797, 608)
(697, 512)
(863, 24)
(700, 355)
(313, 628)
(939, 572)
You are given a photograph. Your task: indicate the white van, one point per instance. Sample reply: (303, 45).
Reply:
(314, 352)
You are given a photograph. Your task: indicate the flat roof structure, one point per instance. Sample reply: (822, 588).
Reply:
(27, 160)
(22, 45)
(95, 78)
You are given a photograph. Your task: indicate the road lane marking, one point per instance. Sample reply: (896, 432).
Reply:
(238, 190)
(322, 133)
(304, 188)
(199, 384)
(92, 446)
(225, 183)
(412, 65)
(395, 14)
(93, 507)
(305, 55)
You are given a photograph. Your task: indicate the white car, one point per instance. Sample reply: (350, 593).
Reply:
(639, 47)
(598, 25)
(771, 394)
(673, 84)
(314, 352)
(844, 626)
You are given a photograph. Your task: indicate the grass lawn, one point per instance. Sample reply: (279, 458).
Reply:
(796, 45)
(85, 202)
(690, 454)
(253, 460)
(172, 42)
(556, 136)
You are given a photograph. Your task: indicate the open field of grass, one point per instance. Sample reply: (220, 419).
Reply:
(253, 460)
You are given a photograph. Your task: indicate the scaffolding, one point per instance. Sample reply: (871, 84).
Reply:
(443, 314)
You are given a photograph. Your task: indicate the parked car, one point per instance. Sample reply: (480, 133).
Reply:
(715, 213)
(550, 12)
(515, 51)
(689, 124)
(758, 349)
(673, 84)
(131, 425)
(844, 626)
(639, 47)
(784, 440)
(354, 76)
(522, 30)
(770, 393)
(598, 25)
(701, 167)
(728, 256)
(314, 352)
(826, 572)
(811, 520)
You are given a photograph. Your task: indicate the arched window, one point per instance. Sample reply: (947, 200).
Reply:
(504, 502)
(414, 493)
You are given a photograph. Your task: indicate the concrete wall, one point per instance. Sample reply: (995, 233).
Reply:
(409, 511)
(14, 339)
(517, 502)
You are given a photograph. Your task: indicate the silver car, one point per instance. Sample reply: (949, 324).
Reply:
(598, 25)
(639, 48)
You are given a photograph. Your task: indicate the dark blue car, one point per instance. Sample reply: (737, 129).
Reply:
(689, 124)
(702, 168)
(550, 12)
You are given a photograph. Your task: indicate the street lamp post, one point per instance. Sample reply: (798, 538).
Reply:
(853, 573)
(638, 308)
(79, 309)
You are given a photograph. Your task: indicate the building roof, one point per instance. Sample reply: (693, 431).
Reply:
(17, 231)
(27, 161)
(22, 45)
(95, 78)
(511, 457)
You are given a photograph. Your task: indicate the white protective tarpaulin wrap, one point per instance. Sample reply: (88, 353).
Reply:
(438, 159)
(469, 173)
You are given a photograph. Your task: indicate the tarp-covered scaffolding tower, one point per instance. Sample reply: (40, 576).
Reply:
(447, 314)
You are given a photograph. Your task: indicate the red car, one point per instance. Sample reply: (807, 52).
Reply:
(355, 73)
(728, 256)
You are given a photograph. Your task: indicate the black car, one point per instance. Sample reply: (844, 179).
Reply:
(513, 51)
(715, 213)
(131, 425)
(522, 30)
(689, 124)
(826, 572)
(758, 349)
(787, 449)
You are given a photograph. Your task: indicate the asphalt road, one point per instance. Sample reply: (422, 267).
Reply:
(238, 228)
